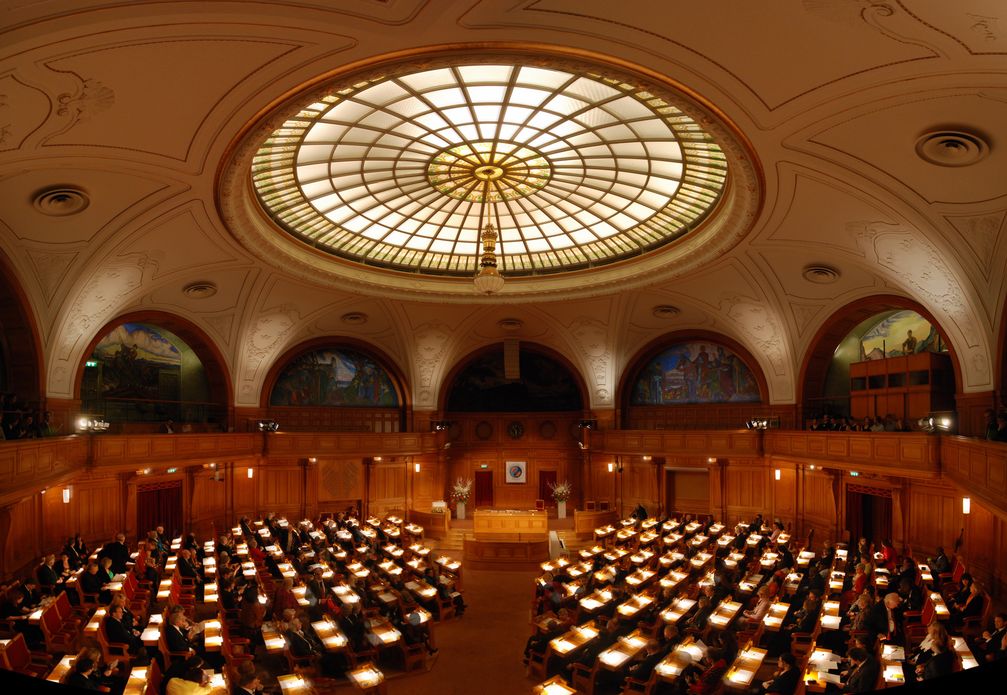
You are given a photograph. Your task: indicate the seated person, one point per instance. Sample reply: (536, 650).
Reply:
(180, 634)
(939, 564)
(191, 679)
(863, 672)
(994, 644)
(91, 583)
(972, 607)
(284, 597)
(119, 633)
(938, 659)
(708, 682)
(784, 680)
(84, 675)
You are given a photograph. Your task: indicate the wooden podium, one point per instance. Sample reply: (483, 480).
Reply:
(508, 539)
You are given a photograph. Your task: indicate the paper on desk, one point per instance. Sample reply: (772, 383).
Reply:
(830, 677)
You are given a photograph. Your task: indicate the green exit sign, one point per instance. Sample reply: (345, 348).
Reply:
(485, 465)
(91, 363)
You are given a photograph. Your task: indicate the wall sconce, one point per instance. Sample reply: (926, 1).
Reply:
(377, 459)
(812, 467)
(711, 460)
(66, 496)
(268, 425)
(416, 467)
(776, 474)
(312, 460)
(646, 458)
(966, 505)
(251, 472)
(611, 467)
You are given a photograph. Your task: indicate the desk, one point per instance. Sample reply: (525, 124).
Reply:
(686, 653)
(940, 608)
(829, 617)
(744, 668)
(275, 642)
(640, 577)
(963, 651)
(623, 651)
(508, 524)
(152, 632)
(294, 684)
(554, 686)
(596, 601)
(678, 608)
(381, 633)
(634, 605)
(368, 678)
(60, 669)
(777, 613)
(574, 638)
(330, 635)
(892, 657)
(724, 615)
(672, 579)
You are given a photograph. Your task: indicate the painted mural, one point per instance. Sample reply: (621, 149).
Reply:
(337, 377)
(545, 386)
(695, 372)
(902, 333)
(137, 361)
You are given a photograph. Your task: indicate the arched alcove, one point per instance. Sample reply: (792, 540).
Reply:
(145, 368)
(20, 348)
(336, 384)
(875, 330)
(692, 379)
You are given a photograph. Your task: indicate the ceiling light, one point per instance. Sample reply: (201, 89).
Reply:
(61, 201)
(820, 273)
(199, 290)
(952, 148)
(489, 280)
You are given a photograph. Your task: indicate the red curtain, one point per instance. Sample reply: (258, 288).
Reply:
(484, 488)
(159, 505)
(868, 516)
(545, 479)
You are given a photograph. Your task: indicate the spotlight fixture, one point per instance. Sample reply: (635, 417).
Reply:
(938, 422)
(268, 425)
(312, 459)
(91, 424)
(646, 457)
(588, 424)
(439, 425)
(762, 423)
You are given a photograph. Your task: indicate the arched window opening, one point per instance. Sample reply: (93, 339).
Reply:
(890, 370)
(543, 384)
(142, 373)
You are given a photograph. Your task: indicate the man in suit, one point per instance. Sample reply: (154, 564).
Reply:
(117, 631)
(784, 680)
(642, 669)
(47, 577)
(883, 619)
(118, 552)
(994, 644)
(178, 634)
(863, 673)
(248, 684)
(186, 567)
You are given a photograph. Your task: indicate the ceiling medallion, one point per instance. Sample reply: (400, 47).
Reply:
(354, 318)
(820, 274)
(952, 148)
(61, 201)
(199, 290)
(666, 311)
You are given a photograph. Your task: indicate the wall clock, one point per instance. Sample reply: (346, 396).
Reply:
(515, 430)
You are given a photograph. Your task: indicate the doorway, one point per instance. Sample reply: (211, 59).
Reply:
(159, 504)
(868, 514)
(545, 479)
(484, 489)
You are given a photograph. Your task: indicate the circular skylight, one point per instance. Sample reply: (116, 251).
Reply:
(574, 168)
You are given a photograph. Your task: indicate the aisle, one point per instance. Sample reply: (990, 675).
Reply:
(481, 652)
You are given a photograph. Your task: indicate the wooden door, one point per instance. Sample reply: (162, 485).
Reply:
(484, 489)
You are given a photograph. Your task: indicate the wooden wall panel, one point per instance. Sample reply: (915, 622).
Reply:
(935, 518)
(388, 488)
(280, 490)
(19, 533)
(208, 509)
(747, 492)
(340, 479)
(818, 504)
(689, 491)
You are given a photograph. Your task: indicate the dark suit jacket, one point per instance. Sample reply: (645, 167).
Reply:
(299, 644)
(974, 607)
(863, 679)
(91, 583)
(785, 683)
(47, 578)
(939, 665)
(117, 632)
(876, 621)
(78, 680)
(176, 640)
(119, 554)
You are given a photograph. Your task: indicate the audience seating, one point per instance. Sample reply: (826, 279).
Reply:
(17, 657)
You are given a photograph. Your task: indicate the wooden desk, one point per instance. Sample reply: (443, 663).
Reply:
(775, 616)
(584, 522)
(724, 615)
(510, 525)
(574, 638)
(368, 678)
(294, 684)
(331, 636)
(671, 666)
(744, 668)
(623, 651)
(678, 608)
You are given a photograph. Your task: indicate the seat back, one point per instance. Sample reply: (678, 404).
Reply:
(153, 679)
(63, 607)
(16, 655)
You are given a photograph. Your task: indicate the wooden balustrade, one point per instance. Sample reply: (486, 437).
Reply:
(978, 466)
(908, 454)
(718, 443)
(37, 463)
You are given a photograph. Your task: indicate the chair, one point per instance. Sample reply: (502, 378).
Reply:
(589, 505)
(58, 638)
(86, 601)
(540, 505)
(972, 627)
(112, 651)
(584, 679)
(632, 686)
(170, 656)
(153, 679)
(17, 657)
(413, 656)
(301, 664)
(67, 613)
(445, 608)
(603, 505)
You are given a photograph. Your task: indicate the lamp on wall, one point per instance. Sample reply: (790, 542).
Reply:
(776, 474)
(91, 424)
(966, 505)
(416, 467)
(611, 467)
(251, 472)
(66, 495)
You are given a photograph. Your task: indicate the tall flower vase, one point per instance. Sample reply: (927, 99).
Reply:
(459, 510)
(561, 509)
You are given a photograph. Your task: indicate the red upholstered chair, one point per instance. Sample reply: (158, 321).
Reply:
(59, 638)
(17, 657)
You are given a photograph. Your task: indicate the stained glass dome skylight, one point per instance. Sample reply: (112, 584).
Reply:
(574, 168)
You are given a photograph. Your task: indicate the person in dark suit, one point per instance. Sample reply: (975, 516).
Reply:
(118, 551)
(940, 564)
(994, 644)
(47, 576)
(248, 684)
(90, 581)
(863, 673)
(883, 619)
(116, 631)
(972, 607)
(186, 566)
(784, 680)
(80, 677)
(178, 633)
(642, 669)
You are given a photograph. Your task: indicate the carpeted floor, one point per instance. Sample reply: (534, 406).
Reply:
(480, 653)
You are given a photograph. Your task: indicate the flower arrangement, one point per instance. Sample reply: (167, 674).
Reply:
(461, 490)
(561, 492)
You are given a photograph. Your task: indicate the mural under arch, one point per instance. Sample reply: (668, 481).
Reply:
(334, 377)
(546, 385)
(901, 333)
(139, 372)
(695, 372)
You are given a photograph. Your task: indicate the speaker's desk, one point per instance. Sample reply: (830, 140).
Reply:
(510, 525)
